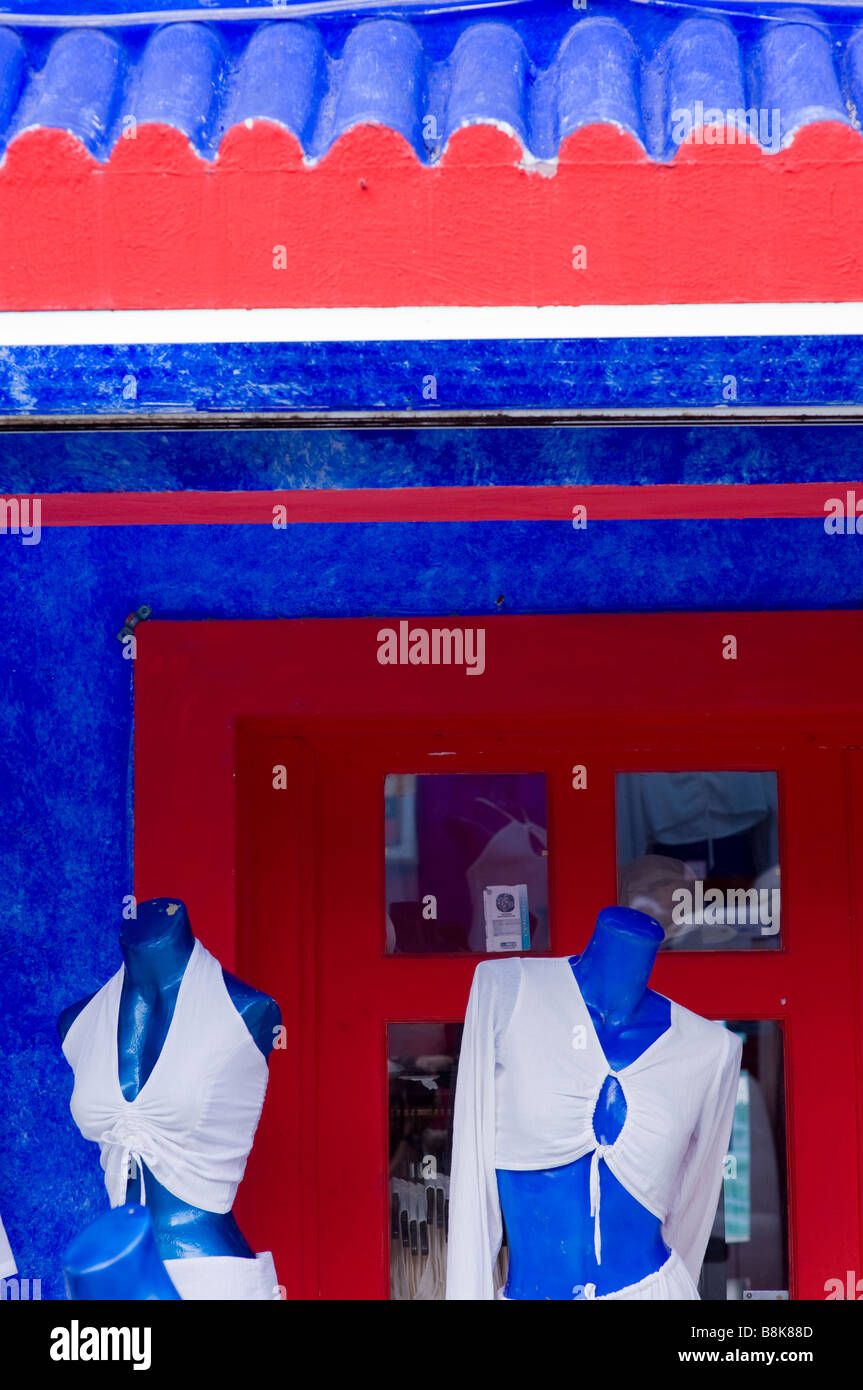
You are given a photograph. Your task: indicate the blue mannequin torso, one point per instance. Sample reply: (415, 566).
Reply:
(547, 1212)
(116, 1257)
(156, 947)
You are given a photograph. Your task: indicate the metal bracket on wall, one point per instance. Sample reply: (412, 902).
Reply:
(140, 615)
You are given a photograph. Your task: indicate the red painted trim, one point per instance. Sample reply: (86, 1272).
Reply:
(652, 502)
(159, 227)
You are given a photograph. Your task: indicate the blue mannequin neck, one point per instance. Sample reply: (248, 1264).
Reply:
(614, 968)
(157, 944)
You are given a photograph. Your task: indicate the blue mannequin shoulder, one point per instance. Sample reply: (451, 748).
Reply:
(70, 1013)
(259, 1012)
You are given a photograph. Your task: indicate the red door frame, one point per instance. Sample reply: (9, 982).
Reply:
(218, 705)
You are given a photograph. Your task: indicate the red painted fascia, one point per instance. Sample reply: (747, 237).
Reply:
(157, 226)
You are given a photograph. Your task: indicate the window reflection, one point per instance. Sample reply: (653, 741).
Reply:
(747, 1250)
(466, 862)
(422, 1059)
(699, 851)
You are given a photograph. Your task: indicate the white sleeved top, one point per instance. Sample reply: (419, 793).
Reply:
(529, 1076)
(194, 1119)
(8, 1266)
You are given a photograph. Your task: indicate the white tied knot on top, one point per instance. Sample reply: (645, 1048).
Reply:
(123, 1141)
(599, 1152)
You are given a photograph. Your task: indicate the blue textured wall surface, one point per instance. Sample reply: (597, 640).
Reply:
(537, 68)
(66, 692)
(647, 373)
(264, 459)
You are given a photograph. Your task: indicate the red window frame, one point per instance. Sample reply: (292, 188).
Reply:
(219, 705)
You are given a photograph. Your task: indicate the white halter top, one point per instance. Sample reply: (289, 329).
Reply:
(194, 1119)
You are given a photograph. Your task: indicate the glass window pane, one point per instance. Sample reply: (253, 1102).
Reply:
(422, 1061)
(466, 862)
(699, 851)
(747, 1254)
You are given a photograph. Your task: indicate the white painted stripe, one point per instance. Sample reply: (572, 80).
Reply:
(130, 326)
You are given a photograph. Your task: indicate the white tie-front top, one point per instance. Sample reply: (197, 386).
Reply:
(194, 1119)
(529, 1076)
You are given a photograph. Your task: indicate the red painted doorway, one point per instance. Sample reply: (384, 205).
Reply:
(286, 876)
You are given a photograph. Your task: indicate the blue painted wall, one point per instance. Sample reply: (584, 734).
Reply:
(799, 372)
(166, 460)
(66, 693)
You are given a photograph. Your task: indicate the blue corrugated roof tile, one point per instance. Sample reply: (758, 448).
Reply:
(78, 89)
(282, 76)
(13, 67)
(381, 80)
(797, 74)
(623, 67)
(182, 80)
(597, 76)
(490, 78)
(705, 64)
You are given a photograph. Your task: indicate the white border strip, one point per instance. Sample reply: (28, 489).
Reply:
(136, 326)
